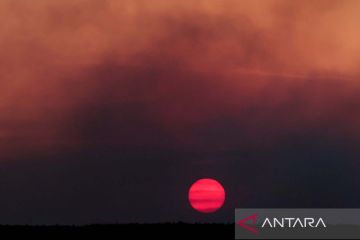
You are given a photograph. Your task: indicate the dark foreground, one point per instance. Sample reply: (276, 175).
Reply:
(182, 230)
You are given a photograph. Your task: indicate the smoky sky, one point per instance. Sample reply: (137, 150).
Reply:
(110, 110)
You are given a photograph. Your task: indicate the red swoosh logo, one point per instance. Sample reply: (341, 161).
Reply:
(251, 218)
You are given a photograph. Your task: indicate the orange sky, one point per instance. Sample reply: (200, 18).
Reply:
(169, 67)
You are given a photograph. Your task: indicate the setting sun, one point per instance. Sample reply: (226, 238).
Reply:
(206, 195)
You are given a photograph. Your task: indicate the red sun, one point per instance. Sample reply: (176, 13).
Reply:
(206, 195)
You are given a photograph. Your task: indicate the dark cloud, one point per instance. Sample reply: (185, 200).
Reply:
(111, 110)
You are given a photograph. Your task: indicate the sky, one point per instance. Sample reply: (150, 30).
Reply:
(111, 109)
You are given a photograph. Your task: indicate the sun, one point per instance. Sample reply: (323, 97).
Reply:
(206, 195)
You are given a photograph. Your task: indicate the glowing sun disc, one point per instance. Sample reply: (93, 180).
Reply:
(206, 195)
